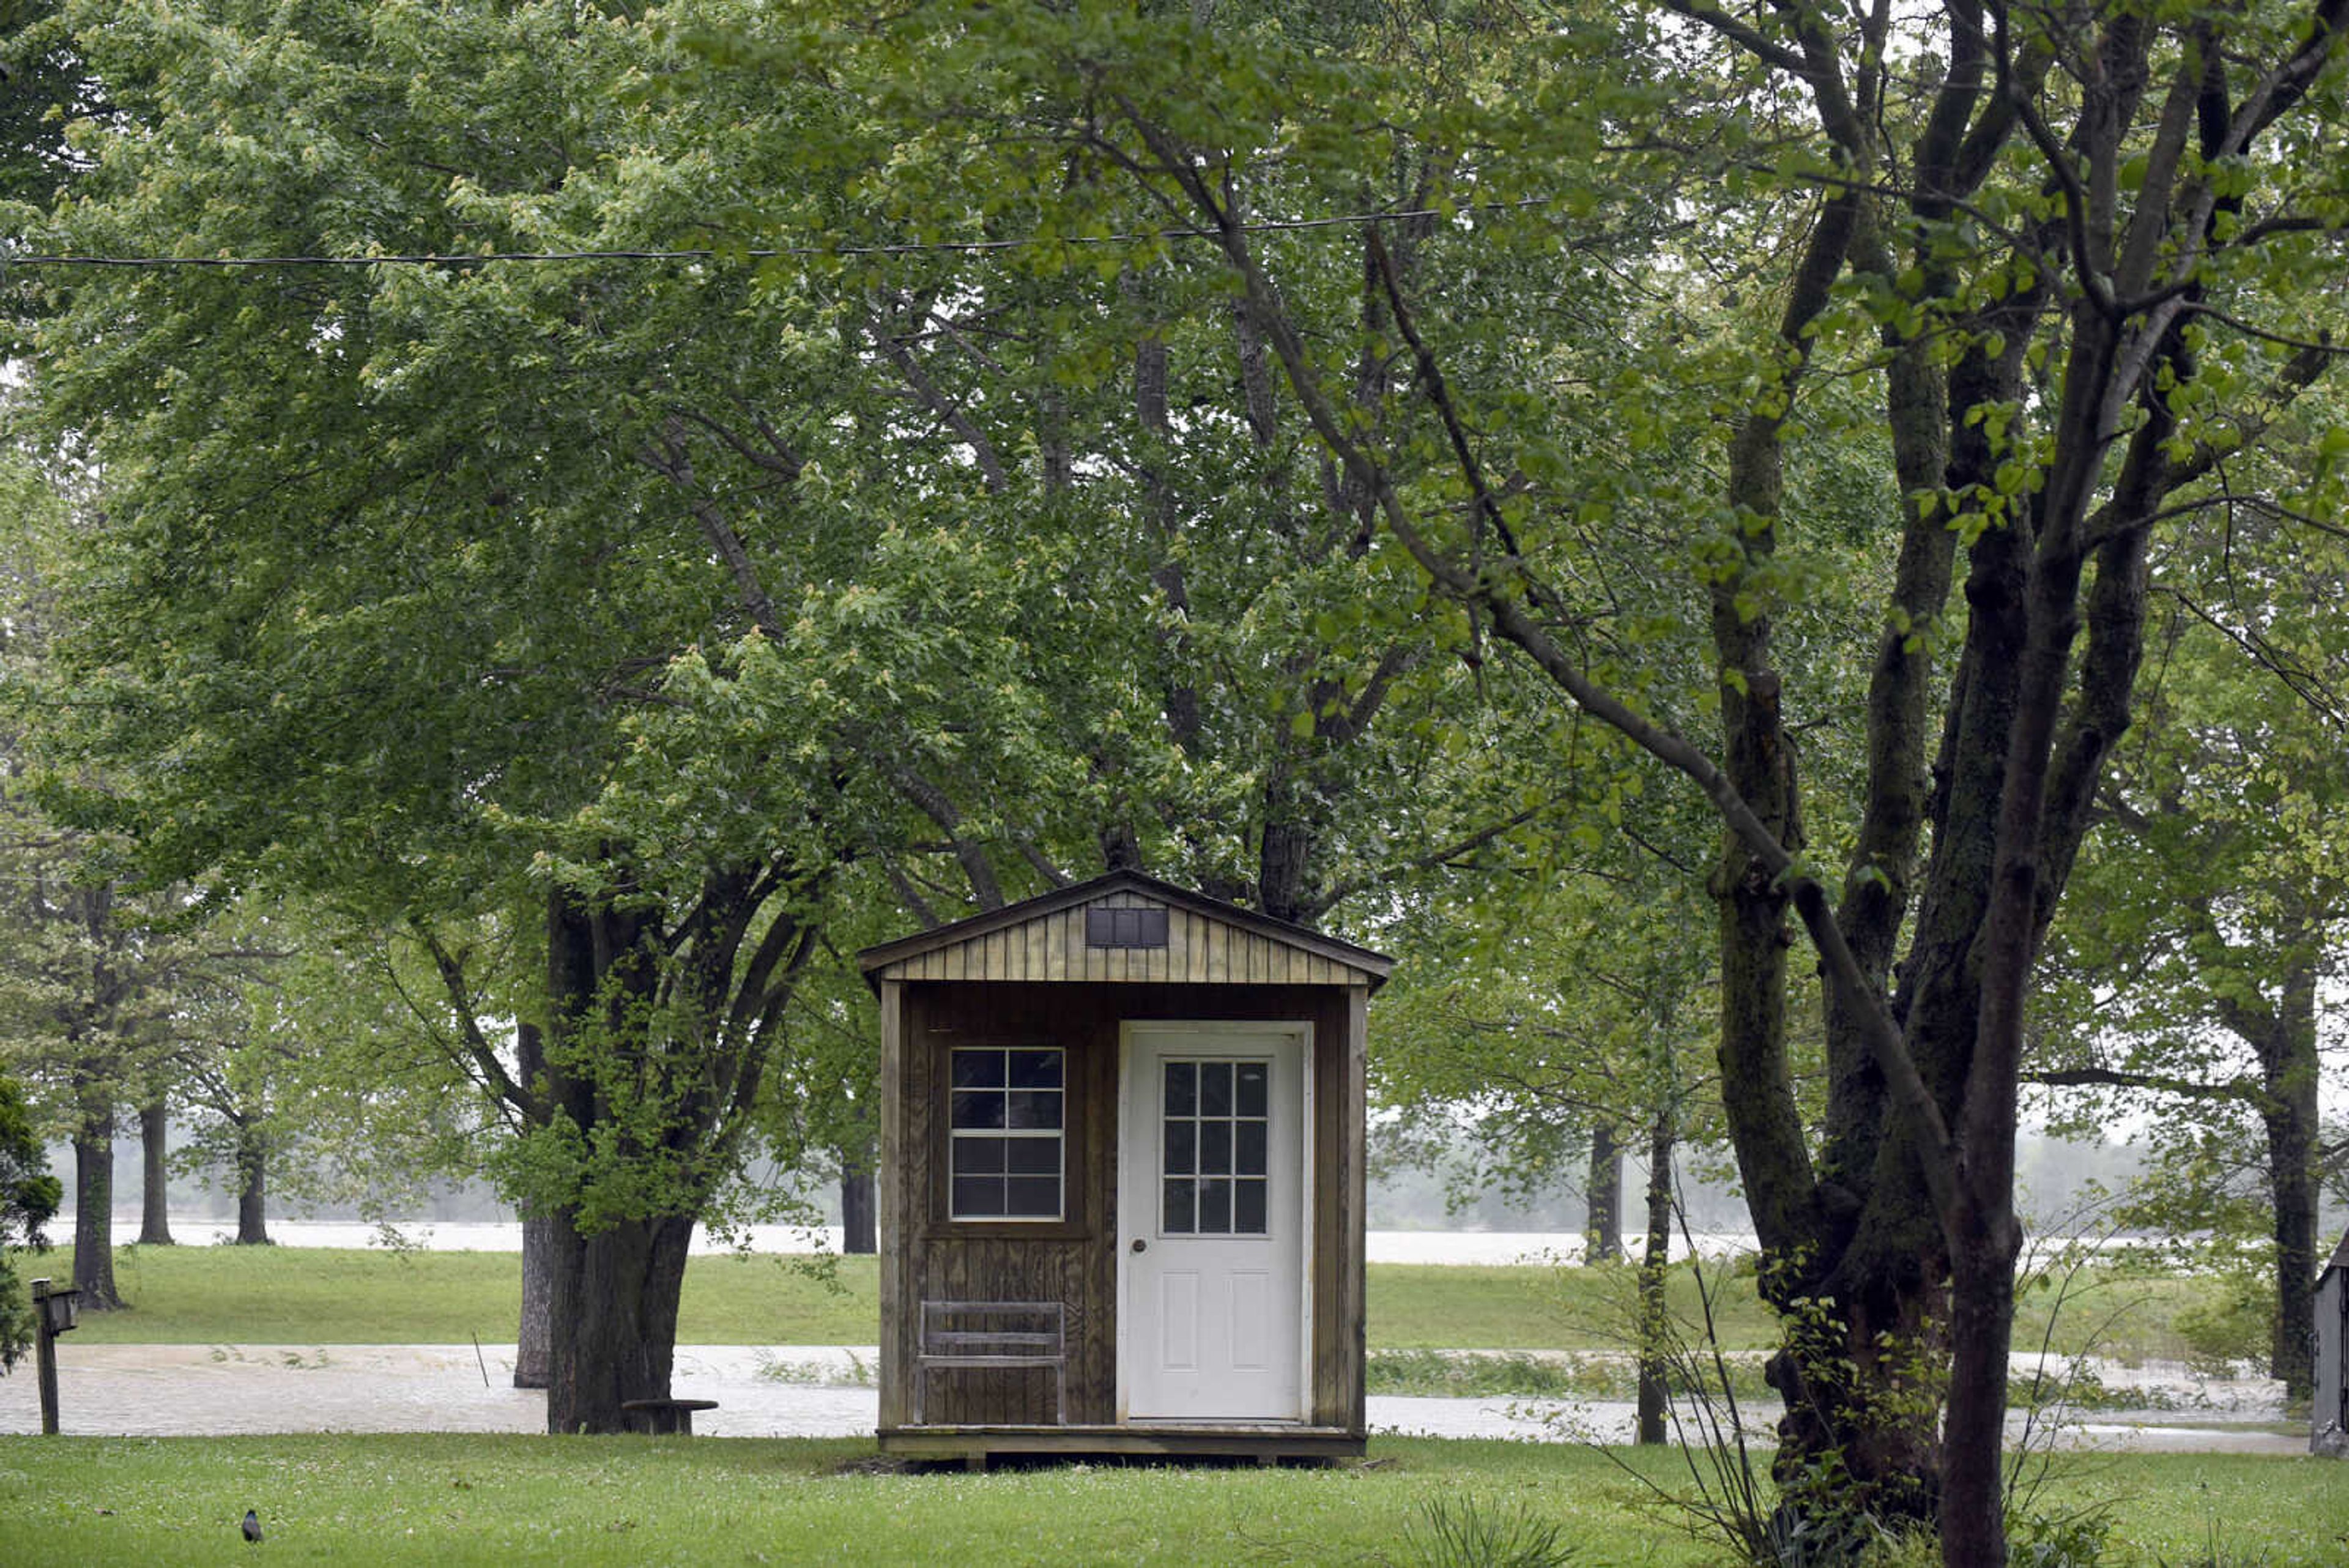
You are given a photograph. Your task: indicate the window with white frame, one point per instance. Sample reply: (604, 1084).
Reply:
(1006, 1124)
(1217, 1118)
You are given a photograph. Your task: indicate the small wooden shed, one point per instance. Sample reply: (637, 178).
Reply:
(1121, 1180)
(2328, 1416)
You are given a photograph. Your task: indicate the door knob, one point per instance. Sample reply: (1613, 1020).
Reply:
(1140, 1245)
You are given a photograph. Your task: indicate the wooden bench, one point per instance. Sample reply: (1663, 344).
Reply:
(665, 1418)
(992, 1335)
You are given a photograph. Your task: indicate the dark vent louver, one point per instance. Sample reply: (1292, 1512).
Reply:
(1126, 927)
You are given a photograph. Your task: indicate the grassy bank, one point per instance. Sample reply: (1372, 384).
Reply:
(290, 1295)
(302, 1295)
(451, 1500)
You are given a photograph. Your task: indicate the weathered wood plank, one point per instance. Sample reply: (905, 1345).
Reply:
(1327, 1359)
(1353, 1176)
(895, 1231)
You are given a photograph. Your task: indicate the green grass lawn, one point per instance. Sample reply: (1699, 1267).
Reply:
(306, 1295)
(457, 1500)
(292, 1296)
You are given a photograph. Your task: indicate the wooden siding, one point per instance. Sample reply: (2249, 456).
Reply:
(1074, 1262)
(1199, 950)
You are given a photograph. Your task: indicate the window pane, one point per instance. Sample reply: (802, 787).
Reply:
(1035, 1108)
(978, 1197)
(977, 1069)
(1253, 1078)
(978, 1109)
(978, 1156)
(1181, 1147)
(1215, 1089)
(1247, 1207)
(1035, 1069)
(998, 1091)
(1180, 1218)
(1214, 1148)
(1033, 1196)
(1033, 1156)
(1182, 1081)
(1215, 1208)
(1249, 1159)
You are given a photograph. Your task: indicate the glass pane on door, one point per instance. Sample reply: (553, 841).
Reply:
(1215, 1125)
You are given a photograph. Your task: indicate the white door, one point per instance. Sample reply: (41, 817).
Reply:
(1214, 1222)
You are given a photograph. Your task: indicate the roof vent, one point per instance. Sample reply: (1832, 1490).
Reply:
(1126, 927)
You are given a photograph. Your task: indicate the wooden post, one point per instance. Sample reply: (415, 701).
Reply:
(45, 1352)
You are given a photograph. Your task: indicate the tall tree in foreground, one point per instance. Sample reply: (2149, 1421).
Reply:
(575, 628)
(2075, 260)
(363, 622)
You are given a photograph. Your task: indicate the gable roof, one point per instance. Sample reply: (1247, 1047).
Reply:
(1207, 941)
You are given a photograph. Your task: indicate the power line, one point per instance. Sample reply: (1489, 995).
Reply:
(712, 253)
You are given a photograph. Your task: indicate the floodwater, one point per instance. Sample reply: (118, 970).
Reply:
(826, 1390)
(778, 1391)
(783, 1390)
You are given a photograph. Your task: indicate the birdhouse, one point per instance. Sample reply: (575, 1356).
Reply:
(1121, 1180)
(60, 1310)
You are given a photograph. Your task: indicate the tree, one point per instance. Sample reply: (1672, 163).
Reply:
(28, 1198)
(88, 969)
(592, 697)
(2069, 256)
(2189, 980)
(1573, 1005)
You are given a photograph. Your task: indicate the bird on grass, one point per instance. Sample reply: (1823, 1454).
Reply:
(252, 1527)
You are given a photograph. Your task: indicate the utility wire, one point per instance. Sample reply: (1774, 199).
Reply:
(707, 253)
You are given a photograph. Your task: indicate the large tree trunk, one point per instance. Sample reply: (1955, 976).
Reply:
(612, 1292)
(533, 1356)
(1855, 1316)
(93, 1269)
(859, 1222)
(252, 1186)
(2289, 1110)
(1602, 1223)
(614, 1301)
(155, 1187)
(1655, 1350)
